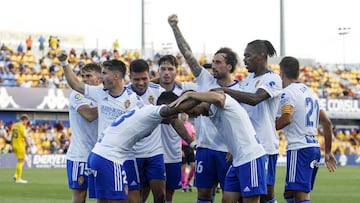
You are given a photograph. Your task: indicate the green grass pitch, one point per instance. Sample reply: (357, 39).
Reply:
(50, 185)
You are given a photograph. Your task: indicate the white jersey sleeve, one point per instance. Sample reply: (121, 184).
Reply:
(84, 133)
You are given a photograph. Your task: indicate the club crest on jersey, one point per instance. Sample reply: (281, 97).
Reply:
(127, 103)
(257, 83)
(81, 180)
(126, 190)
(151, 100)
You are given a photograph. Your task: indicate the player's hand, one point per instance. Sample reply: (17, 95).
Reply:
(330, 162)
(173, 20)
(62, 56)
(179, 100)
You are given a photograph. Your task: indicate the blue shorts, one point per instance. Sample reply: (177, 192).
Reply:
(151, 168)
(132, 175)
(210, 168)
(173, 176)
(271, 160)
(77, 174)
(249, 179)
(107, 179)
(301, 168)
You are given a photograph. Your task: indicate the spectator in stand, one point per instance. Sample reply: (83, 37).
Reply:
(41, 41)
(29, 43)
(19, 144)
(59, 126)
(3, 129)
(26, 84)
(53, 42)
(53, 81)
(116, 45)
(72, 53)
(20, 48)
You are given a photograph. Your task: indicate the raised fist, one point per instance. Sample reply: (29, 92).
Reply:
(173, 20)
(62, 56)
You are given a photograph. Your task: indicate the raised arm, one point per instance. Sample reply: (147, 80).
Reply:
(330, 160)
(184, 46)
(70, 76)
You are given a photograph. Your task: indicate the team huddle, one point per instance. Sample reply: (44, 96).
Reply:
(126, 140)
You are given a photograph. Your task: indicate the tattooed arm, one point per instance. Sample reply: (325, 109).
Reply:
(184, 46)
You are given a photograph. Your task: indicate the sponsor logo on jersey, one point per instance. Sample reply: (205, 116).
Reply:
(78, 96)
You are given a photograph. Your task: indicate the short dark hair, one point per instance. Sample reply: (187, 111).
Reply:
(92, 67)
(166, 98)
(263, 46)
(207, 65)
(24, 117)
(290, 67)
(169, 59)
(115, 65)
(231, 57)
(138, 66)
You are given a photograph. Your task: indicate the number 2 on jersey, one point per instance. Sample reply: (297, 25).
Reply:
(312, 115)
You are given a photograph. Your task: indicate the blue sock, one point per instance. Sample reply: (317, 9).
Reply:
(203, 201)
(290, 200)
(304, 201)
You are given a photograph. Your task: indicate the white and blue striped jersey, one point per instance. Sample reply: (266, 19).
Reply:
(84, 133)
(120, 137)
(302, 131)
(110, 107)
(263, 115)
(151, 145)
(234, 126)
(206, 132)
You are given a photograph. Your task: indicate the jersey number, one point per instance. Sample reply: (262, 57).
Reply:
(312, 115)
